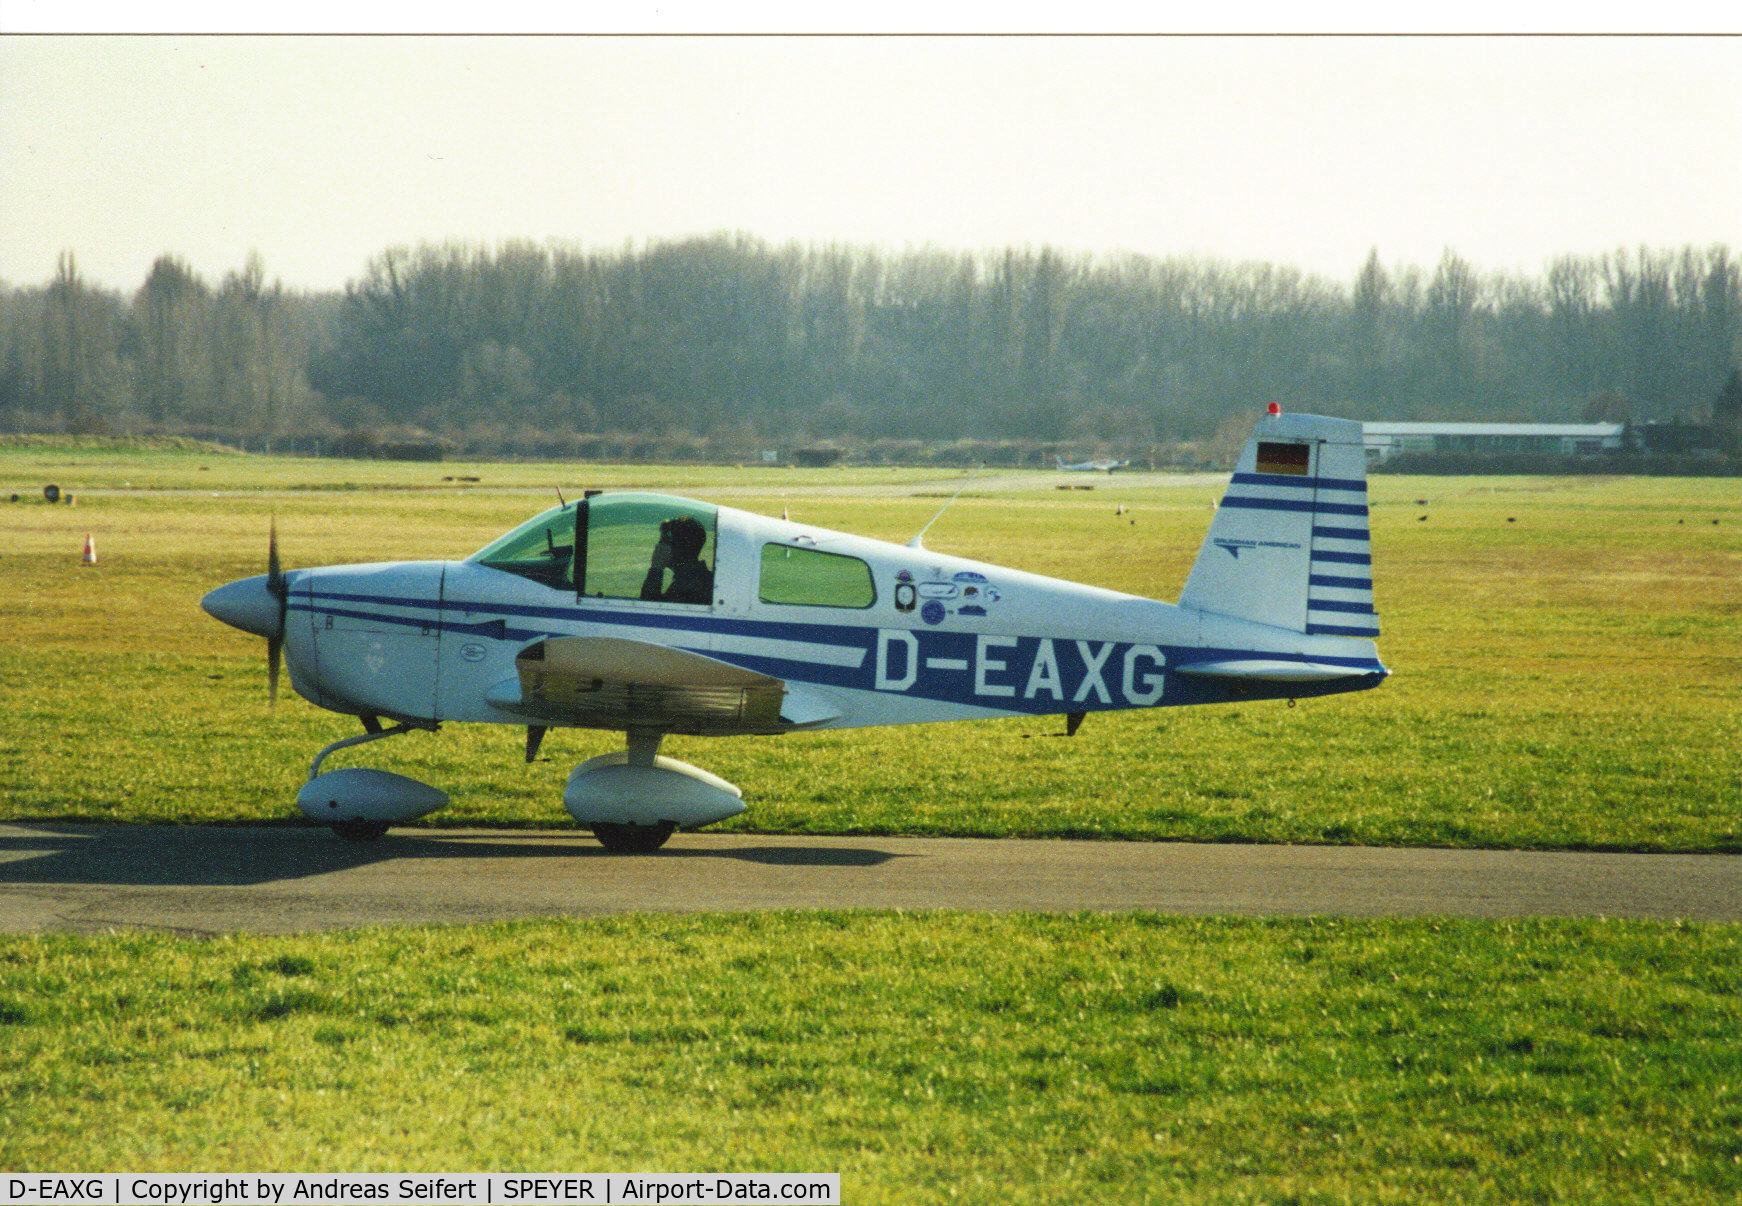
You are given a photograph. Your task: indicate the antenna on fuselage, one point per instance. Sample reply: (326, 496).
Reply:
(561, 501)
(915, 542)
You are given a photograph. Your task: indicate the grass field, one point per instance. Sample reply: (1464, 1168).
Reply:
(924, 1057)
(1567, 679)
(27, 469)
(1572, 678)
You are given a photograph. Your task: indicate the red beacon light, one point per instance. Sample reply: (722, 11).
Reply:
(1274, 409)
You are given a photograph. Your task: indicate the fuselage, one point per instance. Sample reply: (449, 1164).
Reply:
(890, 635)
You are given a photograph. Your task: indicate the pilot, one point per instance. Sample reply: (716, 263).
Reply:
(679, 550)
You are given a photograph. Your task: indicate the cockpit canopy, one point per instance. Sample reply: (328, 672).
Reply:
(630, 546)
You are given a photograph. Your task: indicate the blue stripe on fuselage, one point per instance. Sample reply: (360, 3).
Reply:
(1013, 674)
(989, 665)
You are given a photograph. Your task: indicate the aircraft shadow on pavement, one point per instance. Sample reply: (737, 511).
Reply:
(787, 856)
(214, 856)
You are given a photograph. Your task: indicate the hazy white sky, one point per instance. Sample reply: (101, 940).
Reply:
(320, 152)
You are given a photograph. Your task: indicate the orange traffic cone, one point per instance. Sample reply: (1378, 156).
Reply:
(783, 512)
(90, 557)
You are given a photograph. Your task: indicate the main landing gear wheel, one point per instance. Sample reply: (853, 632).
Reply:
(633, 839)
(360, 831)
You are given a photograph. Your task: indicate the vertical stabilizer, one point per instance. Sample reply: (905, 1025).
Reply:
(1289, 544)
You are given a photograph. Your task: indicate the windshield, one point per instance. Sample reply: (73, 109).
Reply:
(542, 549)
(635, 546)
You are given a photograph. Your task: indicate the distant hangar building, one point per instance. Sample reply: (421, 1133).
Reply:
(1385, 440)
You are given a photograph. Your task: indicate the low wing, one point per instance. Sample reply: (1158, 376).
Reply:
(612, 683)
(613, 659)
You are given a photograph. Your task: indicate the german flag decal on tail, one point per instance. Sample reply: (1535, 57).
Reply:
(1292, 459)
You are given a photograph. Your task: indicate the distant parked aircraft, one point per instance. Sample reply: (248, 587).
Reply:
(1090, 466)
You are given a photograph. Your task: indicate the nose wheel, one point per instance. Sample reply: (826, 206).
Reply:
(359, 803)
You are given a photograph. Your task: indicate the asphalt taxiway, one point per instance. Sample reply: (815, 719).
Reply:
(209, 879)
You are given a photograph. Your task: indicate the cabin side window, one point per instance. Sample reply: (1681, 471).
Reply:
(542, 548)
(804, 577)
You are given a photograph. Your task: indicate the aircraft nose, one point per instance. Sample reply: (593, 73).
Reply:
(245, 604)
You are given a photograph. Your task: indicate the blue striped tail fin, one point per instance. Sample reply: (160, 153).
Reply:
(1289, 546)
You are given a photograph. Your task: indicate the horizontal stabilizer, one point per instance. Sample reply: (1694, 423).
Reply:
(1270, 670)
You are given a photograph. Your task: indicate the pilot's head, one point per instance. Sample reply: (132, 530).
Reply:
(686, 535)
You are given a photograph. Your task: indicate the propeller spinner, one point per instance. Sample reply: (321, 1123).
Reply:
(257, 605)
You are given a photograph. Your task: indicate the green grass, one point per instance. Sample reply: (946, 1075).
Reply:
(924, 1057)
(1568, 680)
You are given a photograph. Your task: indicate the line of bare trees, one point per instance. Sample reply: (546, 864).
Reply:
(733, 342)
(177, 356)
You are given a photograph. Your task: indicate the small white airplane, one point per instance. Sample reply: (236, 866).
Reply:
(1089, 466)
(651, 615)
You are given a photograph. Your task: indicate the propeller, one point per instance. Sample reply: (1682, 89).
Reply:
(278, 589)
(257, 605)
